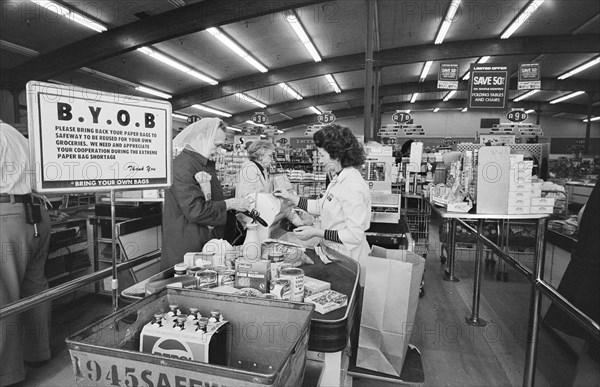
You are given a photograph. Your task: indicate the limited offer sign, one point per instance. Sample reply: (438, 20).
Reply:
(84, 140)
(488, 88)
(529, 76)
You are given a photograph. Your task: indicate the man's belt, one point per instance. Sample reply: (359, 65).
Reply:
(7, 198)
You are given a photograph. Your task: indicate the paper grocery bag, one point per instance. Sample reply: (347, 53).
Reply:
(391, 295)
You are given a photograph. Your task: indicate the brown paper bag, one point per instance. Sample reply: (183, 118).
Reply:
(389, 306)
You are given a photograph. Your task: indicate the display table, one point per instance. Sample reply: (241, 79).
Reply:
(501, 250)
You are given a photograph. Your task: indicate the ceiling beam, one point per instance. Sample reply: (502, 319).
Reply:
(530, 45)
(153, 29)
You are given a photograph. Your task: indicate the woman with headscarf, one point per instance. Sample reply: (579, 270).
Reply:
(195, 210)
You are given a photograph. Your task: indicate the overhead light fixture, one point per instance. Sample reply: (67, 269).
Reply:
(526, 95)
(299, 30)
(566, 97)
(407, 111)
(436, 110)
(176, 64)
(521, 17)
(71, 15)
(8, 46)
(251, 100)
(177, 3)
(180, 117)
(529, 111)
(279, 131)
(236, 48)
(157, 93)
(107, 77)
(288, 89)
(234, 129)
(464, 110)
(414, 97)
(447, 21)
(314, 109)
(483, 59)
(580, 68)
(449, 95)
(592, 119)
(253, 124)
(333, 83)
(425, 70)
(211, 110)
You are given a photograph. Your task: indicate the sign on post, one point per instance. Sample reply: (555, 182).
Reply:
(84, 140)
(488, 88)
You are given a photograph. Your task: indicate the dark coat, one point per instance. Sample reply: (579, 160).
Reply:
(186, 213)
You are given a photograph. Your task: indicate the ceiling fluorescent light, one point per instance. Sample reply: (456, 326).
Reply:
(592, 119)
(529, 111)
(447, 21)
(180, 117)
(252, 101)
(449, 95)
(211, 110)
(301, 33)
(466, 76)
(157, 93)
(566, 97)
(236, 48)
(521, 17)
(175, 64)
(333, 83)
(8, 46)
(464, 110)
(314, 109)
(279, 131)
(580, 68)
(107, 77)
(253, 124)
(288, 89)
(425, 70)
(408, 111)
(71, 15)
(414, 97)
(483, 59)
(436, 110)
(177, 3)
(234, 129)
(526, 95)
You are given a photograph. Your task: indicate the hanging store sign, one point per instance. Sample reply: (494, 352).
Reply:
(259, 118)
(312, 129)
(448, 76)
(301, 142)
(85, 140)
(488, 86)
(401, 117)
(326, 118)
(529, 76)
(516, 116)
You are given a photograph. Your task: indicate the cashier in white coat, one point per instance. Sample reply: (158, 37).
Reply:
(345, 208)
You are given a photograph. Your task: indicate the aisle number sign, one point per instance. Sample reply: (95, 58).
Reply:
(259, 118)
(401, 117)
(326, 118)
(516, 116)
(488, 87)
(84, 140)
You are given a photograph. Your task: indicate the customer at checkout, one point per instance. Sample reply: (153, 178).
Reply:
(345, 209)
(253, 176)
(24, 339)
(195, 210)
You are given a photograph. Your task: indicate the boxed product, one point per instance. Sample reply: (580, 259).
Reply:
(313, 286)
(327, 301)
(253, 274)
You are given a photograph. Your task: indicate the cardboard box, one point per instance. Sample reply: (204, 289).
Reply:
(327, 301)
(542, 209)
(313, 286)
(518, 210)
(253, 274)
(538, 201)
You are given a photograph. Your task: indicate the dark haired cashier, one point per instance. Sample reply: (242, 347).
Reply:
(345, 209)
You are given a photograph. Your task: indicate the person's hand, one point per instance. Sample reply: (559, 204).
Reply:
(238, 204)
(307, 232)
(287, 195)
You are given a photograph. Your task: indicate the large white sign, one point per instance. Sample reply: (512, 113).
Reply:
(85, 140)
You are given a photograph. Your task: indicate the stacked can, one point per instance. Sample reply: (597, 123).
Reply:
(296, 278)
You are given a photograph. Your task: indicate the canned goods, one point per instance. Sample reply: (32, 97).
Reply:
(207, 286)
(280, 288)
(206, 277)
(275, 256)
(192, 270)
(180, 269)
(296, 277)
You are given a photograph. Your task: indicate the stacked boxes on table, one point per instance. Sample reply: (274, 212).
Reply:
(519, 185)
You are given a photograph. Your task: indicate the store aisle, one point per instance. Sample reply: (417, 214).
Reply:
(453, 353)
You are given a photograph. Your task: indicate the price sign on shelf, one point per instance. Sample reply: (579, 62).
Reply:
(516, 116)
(401, 117)
(326, 118)
(259, 118)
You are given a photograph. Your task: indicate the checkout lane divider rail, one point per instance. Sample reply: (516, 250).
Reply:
(68, 287)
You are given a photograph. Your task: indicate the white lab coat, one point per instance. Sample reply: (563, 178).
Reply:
(346, 207)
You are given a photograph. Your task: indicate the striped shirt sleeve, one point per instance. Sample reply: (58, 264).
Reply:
(303, 203)
(332, 235)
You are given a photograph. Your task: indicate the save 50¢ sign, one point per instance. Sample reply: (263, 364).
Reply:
(84, 140)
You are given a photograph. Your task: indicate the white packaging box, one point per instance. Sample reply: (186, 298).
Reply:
(542, 209)
(539, 201)
(516, 210)
(313, 286)
(519, 187)
(519, 195)
(519, 202)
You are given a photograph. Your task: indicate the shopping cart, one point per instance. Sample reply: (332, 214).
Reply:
(417, 213)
